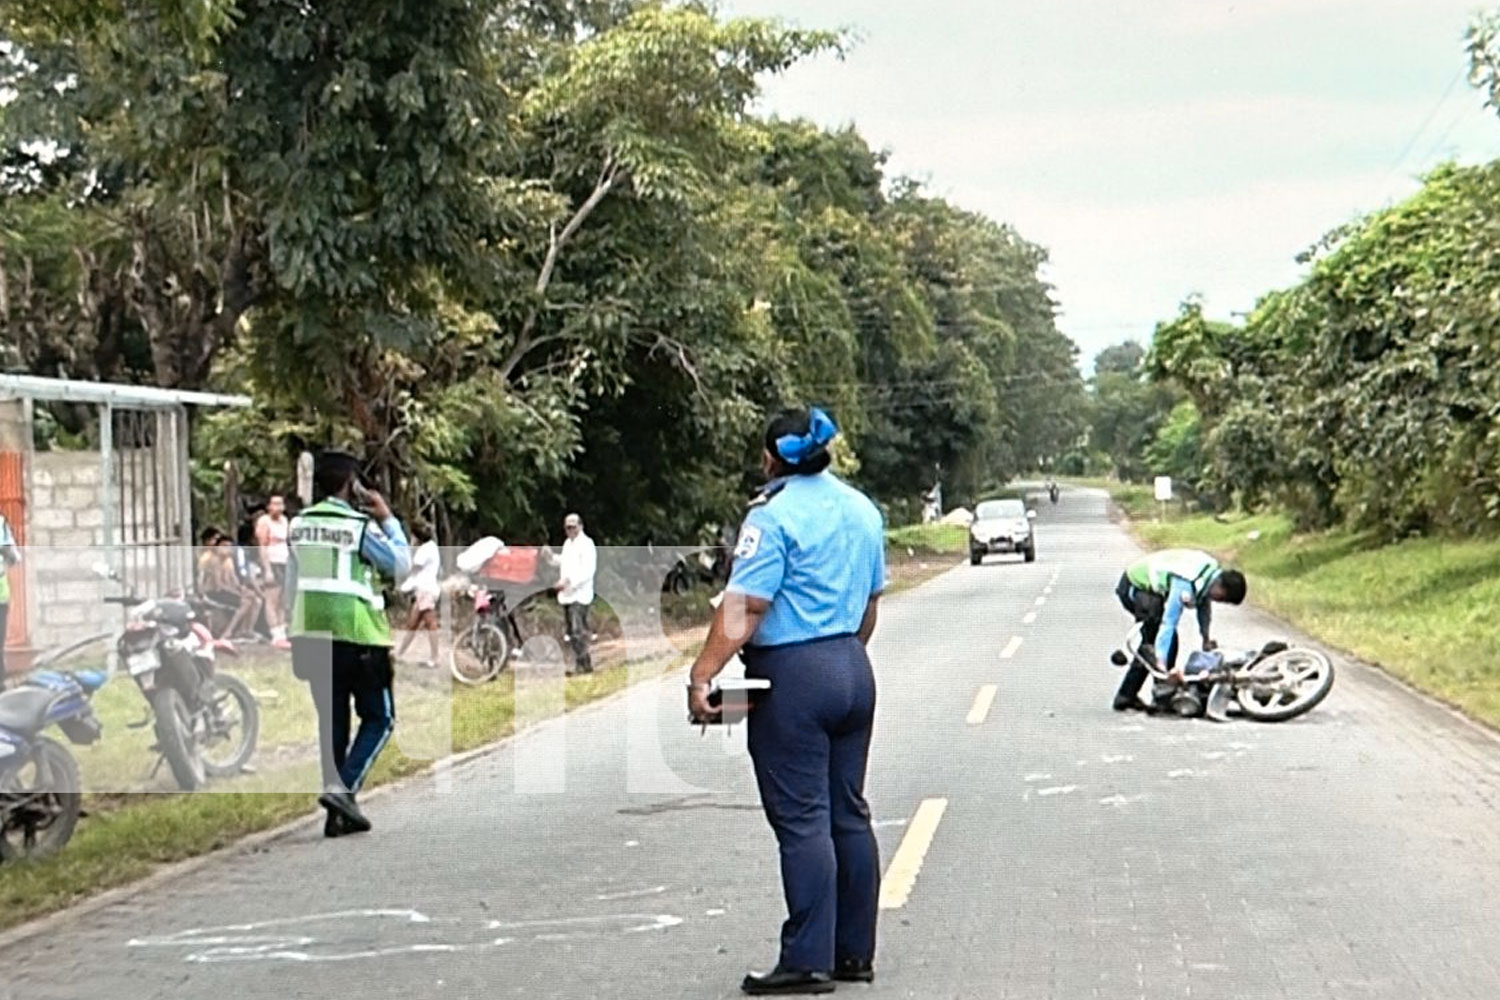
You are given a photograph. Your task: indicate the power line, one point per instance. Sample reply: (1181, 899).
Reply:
(1431, 115)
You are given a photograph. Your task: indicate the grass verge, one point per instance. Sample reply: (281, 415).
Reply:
(1425, 610)
(125, 837)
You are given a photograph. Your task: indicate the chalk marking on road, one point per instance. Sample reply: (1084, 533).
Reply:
(614, 897)
(1130, 729)
(1120, 801)
(1046, 591)
(1011, 648)
(881, 824)
(714, 912)
(1032, 779)
(1060, 790)
(1041, 601)
(1121, 758)
(208, 945)
(1186, 772)
(901, 876)
(1030, 618)
(983, 699)
(1214, 755)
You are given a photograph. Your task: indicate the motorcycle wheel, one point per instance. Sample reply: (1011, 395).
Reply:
(479, 655)
(1312, 674)
(222, 691)
(38, 821)
(174, 738)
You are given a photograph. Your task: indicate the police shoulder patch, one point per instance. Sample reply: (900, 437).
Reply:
(749, 542)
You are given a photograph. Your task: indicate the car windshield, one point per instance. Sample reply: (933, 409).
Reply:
(998, 510)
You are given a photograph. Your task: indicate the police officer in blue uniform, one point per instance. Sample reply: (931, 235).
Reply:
(800, 606)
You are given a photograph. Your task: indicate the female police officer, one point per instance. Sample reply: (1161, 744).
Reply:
(801, 601)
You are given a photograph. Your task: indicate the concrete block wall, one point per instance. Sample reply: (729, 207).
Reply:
(65, 532)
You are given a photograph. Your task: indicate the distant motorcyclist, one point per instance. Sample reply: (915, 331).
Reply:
(1155, 590)
(1052, 491)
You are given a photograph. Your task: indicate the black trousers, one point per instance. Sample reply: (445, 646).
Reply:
(338, 673)
(577, 618)
(809, 738)
(1146, 608)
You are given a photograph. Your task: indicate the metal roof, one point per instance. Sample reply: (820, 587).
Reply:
(109, 393)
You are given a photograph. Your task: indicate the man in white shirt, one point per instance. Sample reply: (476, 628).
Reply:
(575, 589)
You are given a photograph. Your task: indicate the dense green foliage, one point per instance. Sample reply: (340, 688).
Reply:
(1366, 396)
(525, 256)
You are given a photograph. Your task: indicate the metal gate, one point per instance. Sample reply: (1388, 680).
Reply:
(147, 496)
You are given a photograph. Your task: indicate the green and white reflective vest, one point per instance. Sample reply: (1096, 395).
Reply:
(338, 592)
(1155, 572)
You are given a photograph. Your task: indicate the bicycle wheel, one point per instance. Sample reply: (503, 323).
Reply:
(479, 654)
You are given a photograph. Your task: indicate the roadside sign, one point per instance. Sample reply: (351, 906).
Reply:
(1164, 488)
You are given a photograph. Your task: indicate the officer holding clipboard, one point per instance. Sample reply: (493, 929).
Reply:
(800, 606)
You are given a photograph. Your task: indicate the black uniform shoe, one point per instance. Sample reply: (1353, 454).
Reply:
(342, 804)
(1131, 705)
(333, 826)
(784, 983)
(850, 970)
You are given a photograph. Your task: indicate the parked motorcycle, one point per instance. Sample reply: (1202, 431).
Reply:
(40, 789)
(196, 711)
(1272, 684)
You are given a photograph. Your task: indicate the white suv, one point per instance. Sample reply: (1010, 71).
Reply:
(1001, 526)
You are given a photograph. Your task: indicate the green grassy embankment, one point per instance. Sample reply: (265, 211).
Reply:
(128, 835)
(1426, 610)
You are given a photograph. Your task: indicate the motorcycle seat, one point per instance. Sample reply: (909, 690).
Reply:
(24, 710)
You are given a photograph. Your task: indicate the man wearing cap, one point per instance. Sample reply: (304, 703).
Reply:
(575, 590)
(341, 639)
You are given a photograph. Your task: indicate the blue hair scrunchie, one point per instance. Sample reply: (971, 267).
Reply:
(797, 448)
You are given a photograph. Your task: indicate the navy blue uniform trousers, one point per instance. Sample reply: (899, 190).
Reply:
(809, 739)
(338, 672)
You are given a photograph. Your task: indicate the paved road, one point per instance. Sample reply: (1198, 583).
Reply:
(1075, 853)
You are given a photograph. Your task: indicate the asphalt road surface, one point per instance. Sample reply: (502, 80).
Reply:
(1037, 845)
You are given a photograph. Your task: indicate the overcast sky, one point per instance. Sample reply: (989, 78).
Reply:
(1155, 147)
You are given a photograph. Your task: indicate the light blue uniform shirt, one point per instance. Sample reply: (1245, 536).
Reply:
(816, 551)
(1178, 597)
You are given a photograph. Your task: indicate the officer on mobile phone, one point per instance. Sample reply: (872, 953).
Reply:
(341, 639)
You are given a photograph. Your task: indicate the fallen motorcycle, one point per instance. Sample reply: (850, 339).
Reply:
(1272, 684)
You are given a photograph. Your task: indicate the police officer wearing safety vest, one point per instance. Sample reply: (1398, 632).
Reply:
(1156, 590)
(800, 606)
(341, 639)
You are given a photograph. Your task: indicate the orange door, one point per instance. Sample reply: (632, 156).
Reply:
(13, 507)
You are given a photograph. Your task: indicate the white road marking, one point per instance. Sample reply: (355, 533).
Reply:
(1184, 773)
(1120, 801)
(1061, 790)
(1215, 755)
(1123, 758)
(901, 876)
(1040, 601)
(883, 823)
(1030, 618)
(1046, 591)
(1032, 779)
(982, 702)
(1011, 648)
(633, 894)
(270, 940)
